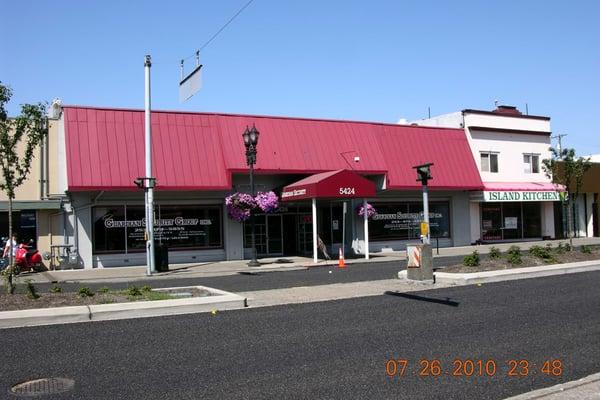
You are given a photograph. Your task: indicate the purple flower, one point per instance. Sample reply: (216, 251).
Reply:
(370, 210)
(241, 205)
(267, 201)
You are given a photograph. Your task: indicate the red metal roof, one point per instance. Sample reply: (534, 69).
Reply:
(332, 184)
(200, 151)
(448, 149)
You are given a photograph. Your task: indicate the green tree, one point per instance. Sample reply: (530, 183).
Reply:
(565, 168)
(19, 137)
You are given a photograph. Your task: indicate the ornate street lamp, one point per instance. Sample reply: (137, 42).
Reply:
(251, 141)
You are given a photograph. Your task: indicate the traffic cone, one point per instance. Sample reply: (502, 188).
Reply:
(341, 262)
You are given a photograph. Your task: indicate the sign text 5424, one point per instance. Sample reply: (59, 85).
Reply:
(347, 191)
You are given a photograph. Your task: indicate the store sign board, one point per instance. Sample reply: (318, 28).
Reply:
(521, 196)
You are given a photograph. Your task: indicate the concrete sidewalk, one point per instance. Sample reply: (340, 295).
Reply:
(222, 268)
(587, 388)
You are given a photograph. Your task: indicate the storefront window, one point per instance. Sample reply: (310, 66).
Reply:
(401, 221)
(511, 221)
(532, 220)
(121, 228)
(24, 225)
(109, 229)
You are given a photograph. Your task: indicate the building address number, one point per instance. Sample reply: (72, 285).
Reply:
(347, 190)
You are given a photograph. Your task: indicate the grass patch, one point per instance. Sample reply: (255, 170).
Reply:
(133, 291)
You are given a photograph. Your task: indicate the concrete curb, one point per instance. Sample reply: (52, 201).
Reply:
(581, 389)
(220, 300)
(512, 274)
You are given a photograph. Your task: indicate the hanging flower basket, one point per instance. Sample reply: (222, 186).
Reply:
(370, 210)
(239, 206)
(268, 202)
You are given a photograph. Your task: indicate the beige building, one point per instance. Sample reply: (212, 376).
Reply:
(38, 211)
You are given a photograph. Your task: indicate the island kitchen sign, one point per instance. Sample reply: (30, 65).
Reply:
(521, 196)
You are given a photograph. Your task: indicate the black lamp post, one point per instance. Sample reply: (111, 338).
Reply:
(251, 141)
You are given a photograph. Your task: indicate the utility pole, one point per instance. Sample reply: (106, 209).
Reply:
(559, 137)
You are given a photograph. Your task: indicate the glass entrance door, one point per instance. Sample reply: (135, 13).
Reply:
(268, 234)
(305, 241)
(491, 222)
(512, 220)
(274, 235)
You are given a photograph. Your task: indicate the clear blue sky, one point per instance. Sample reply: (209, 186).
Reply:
(360, 60)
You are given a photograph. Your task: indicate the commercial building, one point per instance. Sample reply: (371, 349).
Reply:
(517, 200)
(487, 183)
(199, 160)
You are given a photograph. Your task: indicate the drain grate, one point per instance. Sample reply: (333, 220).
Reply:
(39, 387)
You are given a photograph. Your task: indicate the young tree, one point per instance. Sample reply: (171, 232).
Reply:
(565, 168)
(18, 139)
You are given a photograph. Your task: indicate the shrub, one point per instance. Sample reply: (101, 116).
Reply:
(514, 255)
(495, 253)
(545, 253)
(146, 288)
(562, 247)
(471, 260)
(31, 290)
(55, 289)
(586, 249)
(85, 292)
(134, 291)
(103, 290)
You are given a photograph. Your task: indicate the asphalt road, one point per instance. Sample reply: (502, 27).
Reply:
(270, 280)
(329, 350)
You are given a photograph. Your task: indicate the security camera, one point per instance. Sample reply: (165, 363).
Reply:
(356, 159)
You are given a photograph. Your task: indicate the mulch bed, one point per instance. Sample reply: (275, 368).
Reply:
(20, 300)
(487, 264)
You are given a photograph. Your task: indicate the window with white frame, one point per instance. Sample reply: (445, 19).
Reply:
(489, 162)
(531, 163)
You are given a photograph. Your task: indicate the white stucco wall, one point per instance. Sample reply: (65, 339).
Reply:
(507, 122)
(474, 224)
(510, 148)
(451, 120)
(590, 206)
(548, 219)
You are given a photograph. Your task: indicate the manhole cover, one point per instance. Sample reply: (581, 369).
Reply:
(39, 387)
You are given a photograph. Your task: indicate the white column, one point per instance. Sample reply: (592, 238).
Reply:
(366, 229)
(314, 226)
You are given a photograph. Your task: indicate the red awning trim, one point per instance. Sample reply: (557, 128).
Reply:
(331, 185)
(522, 187)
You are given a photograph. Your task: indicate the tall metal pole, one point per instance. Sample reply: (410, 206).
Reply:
(366, 228)
(314, 230)
(148, 181)
(426, 213)
(253, 262)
